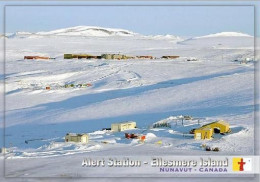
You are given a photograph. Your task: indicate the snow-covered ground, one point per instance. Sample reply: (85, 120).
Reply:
(146, 91)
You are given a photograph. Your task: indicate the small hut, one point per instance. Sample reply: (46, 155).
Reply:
(78, 138)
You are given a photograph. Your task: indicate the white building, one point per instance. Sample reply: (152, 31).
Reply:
(123, 126)
(79, 138)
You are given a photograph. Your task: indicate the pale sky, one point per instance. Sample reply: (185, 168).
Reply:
(147, 20)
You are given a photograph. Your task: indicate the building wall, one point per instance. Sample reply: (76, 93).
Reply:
(117, 56)
(197, 135)
(203, 133)
(106, 56)
(68, 56)
(70, 138)
(115, 127)
(113, 56)
(78, 56)
(126, 126)
(82, 139)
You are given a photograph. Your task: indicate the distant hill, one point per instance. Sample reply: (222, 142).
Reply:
(224, 34)
(91, 31)
(77, 31)
(221, 40)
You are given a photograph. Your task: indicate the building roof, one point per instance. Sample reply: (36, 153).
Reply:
(171, 56)
(204, 128)
(76, 134)
(219, 122)
(222, 122)
(124, 122)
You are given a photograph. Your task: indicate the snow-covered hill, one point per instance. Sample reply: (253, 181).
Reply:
(78, 31)
(222, 40)
(92, 31)
(224, 34)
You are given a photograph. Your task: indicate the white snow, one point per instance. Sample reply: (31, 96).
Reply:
(164, 37)
(150, 135)
(145, 91)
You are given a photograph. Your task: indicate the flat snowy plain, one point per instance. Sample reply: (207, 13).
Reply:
(146, 91)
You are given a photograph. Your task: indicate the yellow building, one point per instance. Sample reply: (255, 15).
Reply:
(123, 126)
(203, 133)
(78, 138)
(206, 131)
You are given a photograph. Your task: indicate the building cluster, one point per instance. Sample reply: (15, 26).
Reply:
(114, 56)
(103, 56)
(72, 85)
(115, 127)
(204, 132)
